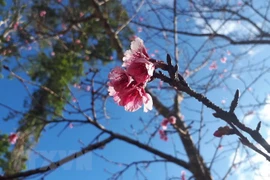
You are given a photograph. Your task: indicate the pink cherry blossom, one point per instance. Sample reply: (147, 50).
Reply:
(183, 175)
(77, 86)
(223, 101)
(136, 60)
(15, 25)
(127, 86)
(164, 123)
(74, 99)
(88, 88)
(13, 138)
(78, 41)
(81, 14)
(133, 98)
(127, 92)
(8, 38)
(172, 120)
(42, 13)
(137, 51)
(119, 80)
(186, 73)
(213, 66)
(52, 53)
(141, 69)
(220, 147)
(163, 135)
(70, 125)
(223, 60)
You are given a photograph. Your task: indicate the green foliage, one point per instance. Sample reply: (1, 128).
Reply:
(2, 3)
(56, 74)
(77, 36)
(4, 150)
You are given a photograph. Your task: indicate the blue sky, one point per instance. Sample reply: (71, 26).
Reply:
(54, 147)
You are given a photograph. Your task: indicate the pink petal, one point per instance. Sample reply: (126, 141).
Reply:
(137, 51)
(42, 13)
(213, 66)
(119, 79)
(172, 120)
(70, 125)
(133, 103)
(141, 69)
(223, 60)
(148, 102)
(183, 175)
(13, 138)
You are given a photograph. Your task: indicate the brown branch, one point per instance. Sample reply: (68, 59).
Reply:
(59, 163)
(168, 157)
(197, 165)
(228, 117)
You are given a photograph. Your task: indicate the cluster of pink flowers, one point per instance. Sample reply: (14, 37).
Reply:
(223, 60)
(213, 66)
(77, 41)
(166, 121)
(183, 175)
(13, 138)
(15, 26)
(164, 124)
(70, 125)
(163, 135)
(8, 38)
(127, 86)
(186, 73)
(42, 13)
